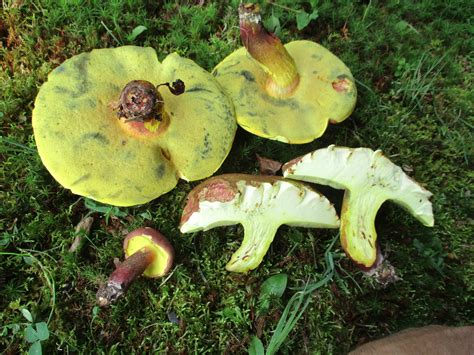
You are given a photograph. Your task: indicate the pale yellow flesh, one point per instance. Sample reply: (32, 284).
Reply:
(369, 179)
(261, 207)
(301, 117)
(82, 144)
(158, 266)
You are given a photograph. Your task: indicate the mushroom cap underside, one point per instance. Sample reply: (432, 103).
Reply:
(154, 241)
(85, 147)
(326, 92)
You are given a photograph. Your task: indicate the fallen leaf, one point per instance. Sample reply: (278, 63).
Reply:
(82, 228)
(268, 166)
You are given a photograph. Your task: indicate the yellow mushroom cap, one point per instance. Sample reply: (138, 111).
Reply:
(85, 147)
(326, 93)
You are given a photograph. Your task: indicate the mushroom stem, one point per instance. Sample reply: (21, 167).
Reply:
(123, 276)
(257, 239)
(369, 179)
(358, 234)
(140, 101)
(267, 49)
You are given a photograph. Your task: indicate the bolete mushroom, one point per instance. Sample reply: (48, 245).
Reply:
(147, 253)
(106, 129)
(369, 179)
(261, 204)
(284, 92)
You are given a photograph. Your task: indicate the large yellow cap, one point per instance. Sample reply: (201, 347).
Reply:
(85, 147)
(326, 92)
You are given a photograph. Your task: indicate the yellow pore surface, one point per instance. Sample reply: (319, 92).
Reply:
(158, 266)
(304, 115)
(83, 144)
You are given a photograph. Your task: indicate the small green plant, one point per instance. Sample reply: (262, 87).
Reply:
(107, 210)
(137, 31)
(272, 288)
(35, 333)
(302, 17)
(416, 81)
(295, 307)
(432, 253)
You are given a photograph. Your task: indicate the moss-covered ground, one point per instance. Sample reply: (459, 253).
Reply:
(414, 71)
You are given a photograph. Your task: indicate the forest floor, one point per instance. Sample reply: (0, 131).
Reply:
(412, 62)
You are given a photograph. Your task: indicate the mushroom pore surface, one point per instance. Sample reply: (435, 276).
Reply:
(89, 150)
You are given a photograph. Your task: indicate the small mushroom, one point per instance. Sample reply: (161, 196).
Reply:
(369, 179)
(147, 253)
(284, 92)
(107, 127)
(261, 204)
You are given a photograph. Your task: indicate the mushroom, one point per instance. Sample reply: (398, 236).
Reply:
(369, 179)
(105, 128)
(147, 253)
(286, 92)
(261, 204)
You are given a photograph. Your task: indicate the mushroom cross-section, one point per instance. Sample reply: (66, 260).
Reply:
(261, 204)
(285, 92)
(107, 127)
(369, 179)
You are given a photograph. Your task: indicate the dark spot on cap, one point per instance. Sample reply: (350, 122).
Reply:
(206, 148)
(98, 137)
(166, 153)
(115, 194)
(91, 103)
(247, 75)
(81, 75)
(81, 179)
(276, 102)
(198, 88)
(115, 87)
(61, 90)
(160, 171)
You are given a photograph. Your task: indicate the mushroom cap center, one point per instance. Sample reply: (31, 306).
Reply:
(141, 110)
(139, 100)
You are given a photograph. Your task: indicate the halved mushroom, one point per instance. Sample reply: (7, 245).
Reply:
(261, 204)
(284, 92)
(369, 179)
(106, 129)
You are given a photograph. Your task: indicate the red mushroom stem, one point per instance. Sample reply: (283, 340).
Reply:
(267, 49)
(123, 276)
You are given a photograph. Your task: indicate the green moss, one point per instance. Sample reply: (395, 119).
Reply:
(383, 45)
